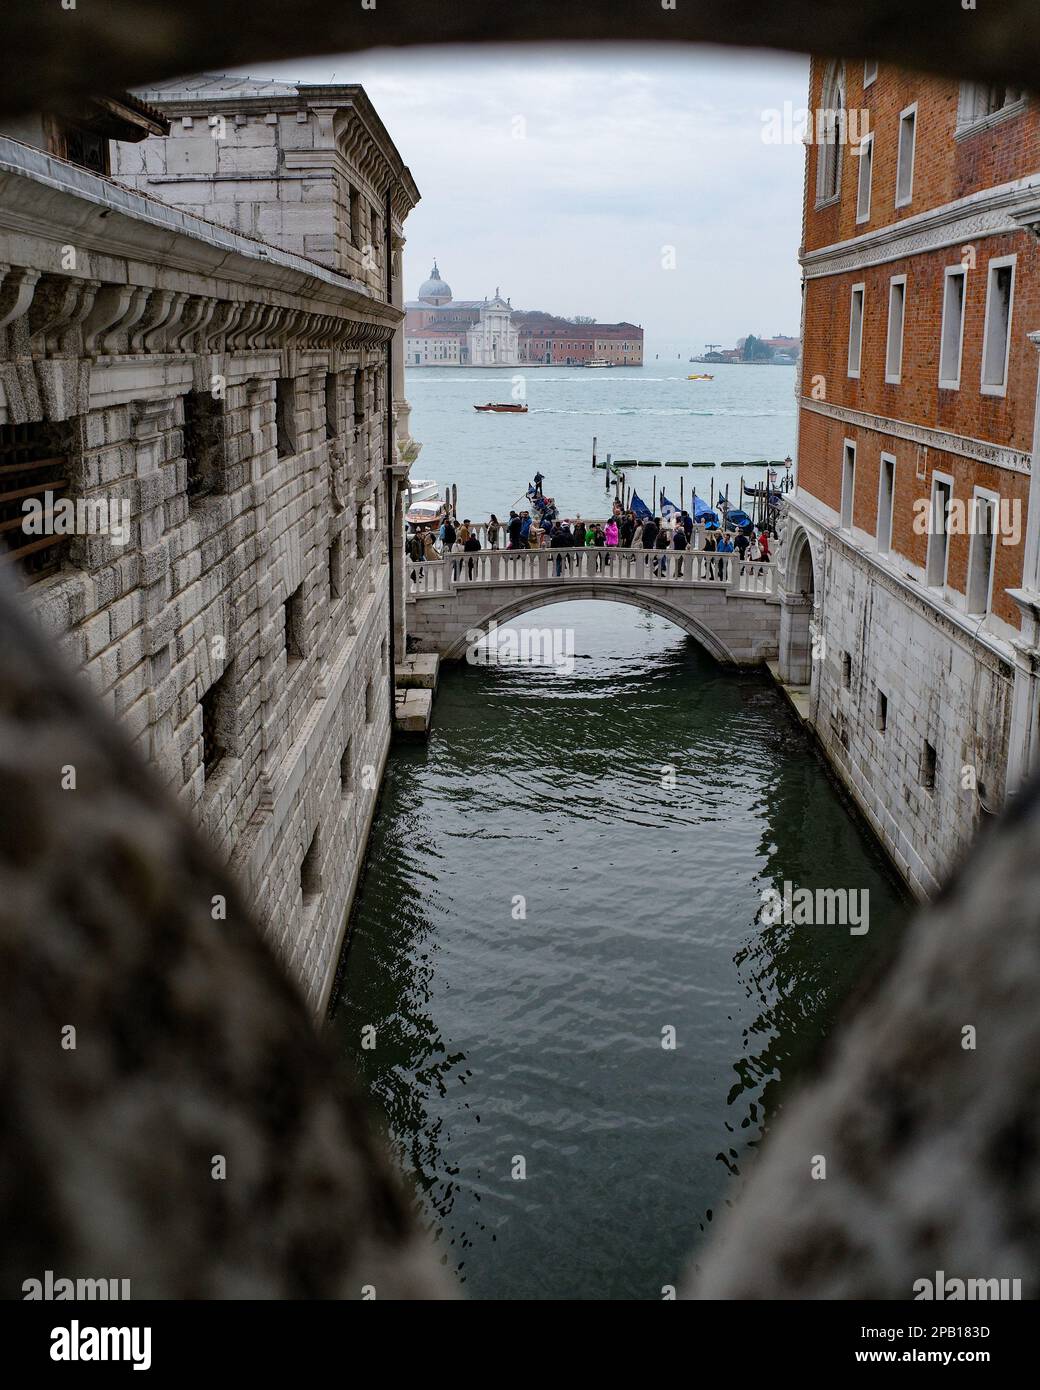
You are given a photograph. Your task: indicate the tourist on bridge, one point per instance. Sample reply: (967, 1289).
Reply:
(679, 543)
(763, 544)
(492, 532)
(662, 543)
(578, 531)
(513, 532)
(711, 544)
(525, 530)
(637, 536)
(742, 544)
(429, 547)
(562, 540)
(471, 544)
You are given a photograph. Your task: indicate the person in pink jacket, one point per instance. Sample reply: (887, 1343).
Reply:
(610, 532)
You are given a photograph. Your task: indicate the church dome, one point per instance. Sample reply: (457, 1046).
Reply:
(434, 290)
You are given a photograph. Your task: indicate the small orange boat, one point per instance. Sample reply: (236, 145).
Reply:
(507, 409)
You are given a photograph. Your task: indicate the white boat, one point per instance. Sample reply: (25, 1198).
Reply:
(422, 489)
(599, 362)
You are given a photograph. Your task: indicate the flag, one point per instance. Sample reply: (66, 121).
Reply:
(668, 509)
(639, 507)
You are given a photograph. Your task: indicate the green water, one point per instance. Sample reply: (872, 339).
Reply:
(538, 1036)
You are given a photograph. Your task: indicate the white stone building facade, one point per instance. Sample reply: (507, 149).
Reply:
(244, 402)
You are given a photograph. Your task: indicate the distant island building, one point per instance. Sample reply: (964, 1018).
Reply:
(781, 351)
(441, 331)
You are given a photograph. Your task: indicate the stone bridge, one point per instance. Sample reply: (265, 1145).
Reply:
(729, 605)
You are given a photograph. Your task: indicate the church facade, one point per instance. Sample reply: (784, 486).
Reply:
(441, 331)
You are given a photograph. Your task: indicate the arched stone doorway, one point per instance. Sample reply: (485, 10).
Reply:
(796, 609)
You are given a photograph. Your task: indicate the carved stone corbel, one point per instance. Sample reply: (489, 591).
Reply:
(16, 292)
(155, 313)
(162, 337)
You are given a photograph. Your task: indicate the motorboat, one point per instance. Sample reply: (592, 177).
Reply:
(422, 489)
(504, 408)
(701, 376)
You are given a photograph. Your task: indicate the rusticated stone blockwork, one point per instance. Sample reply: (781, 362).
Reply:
(230, 399)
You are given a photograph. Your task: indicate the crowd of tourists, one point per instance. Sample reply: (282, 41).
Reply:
(624, 530)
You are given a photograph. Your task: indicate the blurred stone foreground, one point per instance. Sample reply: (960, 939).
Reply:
(190, 1043)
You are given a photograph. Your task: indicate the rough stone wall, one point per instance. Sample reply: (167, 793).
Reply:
(184, 632)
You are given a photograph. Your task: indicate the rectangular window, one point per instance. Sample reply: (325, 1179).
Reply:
(848, 485)
(203, 443)
(996, 339)
(310, 873)
(294, 627)
(856, 329)
(881, 712)
(359, 399)
(896, 313)
(331, 405)
(359, 538)
(370, 702)
(346, 771)
(354, 204)
(866, 172)
(928, 763)
(905, 157)
(869, 71)
(285, 416)
(952, 341)
(846, 670)
(336, 568)
(982, 551)
(886, 494)
(984, 101)
(214, 723)
(938, 535)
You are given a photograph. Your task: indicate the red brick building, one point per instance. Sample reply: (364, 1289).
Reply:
(547, 339)
(910, 566)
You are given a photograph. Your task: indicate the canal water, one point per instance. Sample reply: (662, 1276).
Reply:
(541, 907)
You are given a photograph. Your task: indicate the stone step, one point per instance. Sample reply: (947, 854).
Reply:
(413, 712)
(418, 671)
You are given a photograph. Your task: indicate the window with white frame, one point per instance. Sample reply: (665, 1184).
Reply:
(830, 134)
(952, 340)
(856, 328)
(886, 497)
(896, 314)
(865, 150)
(848, 485)
(996, 337)
(939, 530)
(982, 550)
(984, 103)
(869, 71)
(905, 155)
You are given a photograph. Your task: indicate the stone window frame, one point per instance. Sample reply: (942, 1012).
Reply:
(848, 485)
(833, 88)
(865, 155)
(870, 72)
(895, 378)
(311, 885)
(886, 458)
(959, 269)
(908, 112)
(968, 124)
(881, 711)
(939, 479)
(295, 643)
(988, 495)
(993, 264)
(860, 288)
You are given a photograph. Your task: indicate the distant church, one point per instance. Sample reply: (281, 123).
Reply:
(444, 332)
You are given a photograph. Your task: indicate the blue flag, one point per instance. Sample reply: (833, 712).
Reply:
(639, 507)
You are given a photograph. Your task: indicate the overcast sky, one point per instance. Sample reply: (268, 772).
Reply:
(562, 175)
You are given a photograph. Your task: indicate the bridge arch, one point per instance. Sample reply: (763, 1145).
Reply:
(797, 603)
(649, 602)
